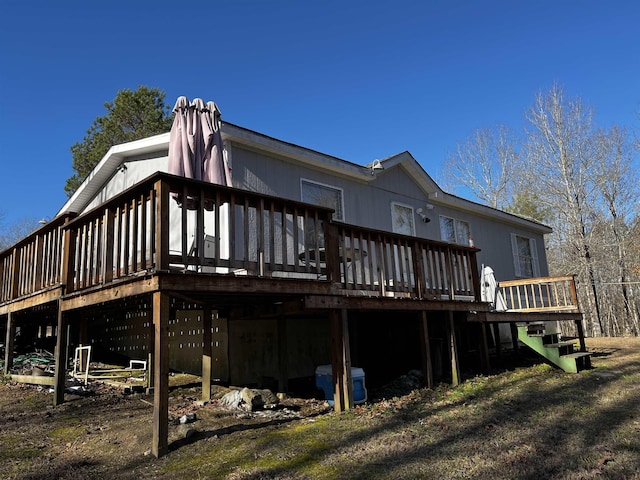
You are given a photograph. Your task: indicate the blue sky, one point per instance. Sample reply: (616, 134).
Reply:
(359, 80)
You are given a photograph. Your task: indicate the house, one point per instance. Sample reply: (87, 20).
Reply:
(306, 260)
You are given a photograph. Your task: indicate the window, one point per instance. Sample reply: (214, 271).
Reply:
(525, 256)
(323, 196)
(402, 219)
(454, 231)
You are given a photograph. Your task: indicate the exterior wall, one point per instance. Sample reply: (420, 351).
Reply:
(368, 204)
(493, 238)
(136, 170)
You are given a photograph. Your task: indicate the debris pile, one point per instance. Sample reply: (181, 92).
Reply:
(402, 385)
(40, 363)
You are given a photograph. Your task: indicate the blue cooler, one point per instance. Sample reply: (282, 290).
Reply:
(324, 381)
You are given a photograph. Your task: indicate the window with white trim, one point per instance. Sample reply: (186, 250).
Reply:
(525, 256)
(323, 196)
(453, 230)
(402, 219)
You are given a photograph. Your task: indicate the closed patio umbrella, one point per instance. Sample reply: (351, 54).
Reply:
(195, 143)
(196, 152)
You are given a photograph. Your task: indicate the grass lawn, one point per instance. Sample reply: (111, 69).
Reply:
(530, 423)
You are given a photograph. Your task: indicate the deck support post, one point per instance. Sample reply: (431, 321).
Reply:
(341, 361)
(206, 353)
(161, 309)
(425, 348)
(514, 336)
(83, 339)
(484, 349)
(453, 349)
(283, 370)
(62, 340)
(11, 334)
(580, 329)
(497, 339)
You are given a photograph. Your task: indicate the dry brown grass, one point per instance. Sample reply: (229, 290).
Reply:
(530, 423)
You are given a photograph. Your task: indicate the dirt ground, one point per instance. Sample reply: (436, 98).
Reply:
(446, 433)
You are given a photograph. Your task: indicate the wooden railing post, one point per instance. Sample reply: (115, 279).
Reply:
(574, 293)
(332, 250)
(475, 275)
(39, 261)
(418, 270)
(449, 270)
(15, 273)
(108, 242)
(162, 225)
(69, 256)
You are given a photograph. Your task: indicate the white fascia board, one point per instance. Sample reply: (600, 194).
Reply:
(109, 164)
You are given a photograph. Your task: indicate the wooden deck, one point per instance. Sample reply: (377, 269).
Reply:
(247, 254)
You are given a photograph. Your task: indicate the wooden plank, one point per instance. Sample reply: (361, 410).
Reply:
(160, 446)
(34, 379)
(34, 300)
(384, 303)
(518, 316)
(536, 280)
(118, 291)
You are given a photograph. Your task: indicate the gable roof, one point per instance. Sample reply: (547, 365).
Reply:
(159, 144)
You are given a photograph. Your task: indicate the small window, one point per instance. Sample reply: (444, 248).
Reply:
(525, 256)
(402, 219)
(454, 231)
(323, 196)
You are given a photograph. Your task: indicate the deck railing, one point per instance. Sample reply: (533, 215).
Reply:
(542, 294)
(388, 263)
(34, 263)
(168, 223)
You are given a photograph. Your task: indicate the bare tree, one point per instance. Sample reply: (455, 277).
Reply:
(619, 192)
(10, 234)
(561, 159)
(487, 164)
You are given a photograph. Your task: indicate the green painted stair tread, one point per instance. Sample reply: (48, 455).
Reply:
(577, 355)
(559, 344)
(555, 354)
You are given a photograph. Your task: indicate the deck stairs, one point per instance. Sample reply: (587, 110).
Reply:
(559, 352)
